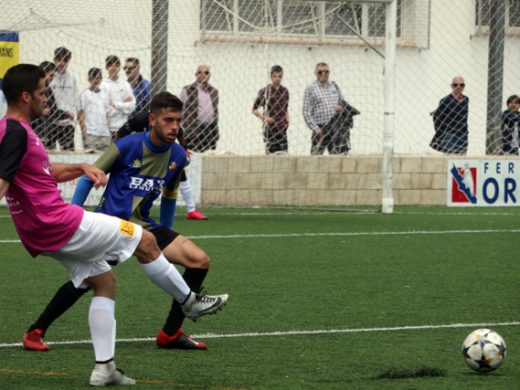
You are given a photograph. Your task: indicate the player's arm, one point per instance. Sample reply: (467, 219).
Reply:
(67, 172)
(85, 184)
(169, 198)
(12, 149)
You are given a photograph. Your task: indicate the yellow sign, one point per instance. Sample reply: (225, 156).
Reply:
(9, 51)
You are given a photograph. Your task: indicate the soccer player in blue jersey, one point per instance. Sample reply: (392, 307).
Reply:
(142, 166)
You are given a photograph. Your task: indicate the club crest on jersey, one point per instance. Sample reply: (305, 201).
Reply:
(146, 184)
(137, 163)
(172, 166)
(127, 228)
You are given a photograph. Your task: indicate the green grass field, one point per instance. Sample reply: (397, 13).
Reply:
(319, 300)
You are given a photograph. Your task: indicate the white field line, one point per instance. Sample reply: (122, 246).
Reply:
(296, 333)
(361, 212)
(341, 234)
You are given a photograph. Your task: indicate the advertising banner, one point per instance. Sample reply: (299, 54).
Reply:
(483, 183)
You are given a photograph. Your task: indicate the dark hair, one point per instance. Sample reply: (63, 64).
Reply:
(111, 60)
(21, 78)
(93, 73)
(512, 99)
(165, 100)
(48, 66)
(62, 53)
(133, 60)
(276, 69)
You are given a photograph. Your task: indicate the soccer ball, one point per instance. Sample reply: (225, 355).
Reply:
(484, 350)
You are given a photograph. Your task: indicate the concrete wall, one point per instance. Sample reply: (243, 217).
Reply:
(320, 181)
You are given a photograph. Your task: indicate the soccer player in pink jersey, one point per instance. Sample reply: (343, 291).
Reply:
(82, 241)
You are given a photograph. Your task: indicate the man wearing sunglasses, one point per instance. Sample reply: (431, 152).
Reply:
(141, 87)
(450, 120)
(200, 121)
(327, 114)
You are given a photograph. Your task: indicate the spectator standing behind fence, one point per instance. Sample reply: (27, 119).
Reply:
(45, 126)
(141, 87)
(200, 115)
(327, 114)
(65, 89)
(511, 126)
(274, 99)
(93, 113)
(450, 121)
(120, 95)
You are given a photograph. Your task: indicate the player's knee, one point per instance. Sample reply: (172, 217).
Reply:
(147, 250)
(205, 261)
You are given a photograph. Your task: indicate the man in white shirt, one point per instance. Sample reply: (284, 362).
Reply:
(119, 91)
(93, 113)
(65, 89)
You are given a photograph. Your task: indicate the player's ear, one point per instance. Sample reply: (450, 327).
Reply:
(151, 119)
(25, 97)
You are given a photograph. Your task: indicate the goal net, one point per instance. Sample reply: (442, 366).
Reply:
(239, 41)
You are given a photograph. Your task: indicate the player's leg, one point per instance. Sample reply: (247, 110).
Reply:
(189, 200)
(99, 237)
(102, 325)
(180, 250)
(166, 276)
(66, 296)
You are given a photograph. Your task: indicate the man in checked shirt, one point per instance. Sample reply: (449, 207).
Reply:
(322, 102)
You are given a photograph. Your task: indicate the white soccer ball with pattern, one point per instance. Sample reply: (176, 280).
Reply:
(484, 350)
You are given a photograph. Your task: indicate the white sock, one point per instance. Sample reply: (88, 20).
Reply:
(187, 195)
(102, 327)
(166, 276)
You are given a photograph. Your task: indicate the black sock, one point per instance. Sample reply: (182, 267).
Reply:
(65, 297)
(194, 278)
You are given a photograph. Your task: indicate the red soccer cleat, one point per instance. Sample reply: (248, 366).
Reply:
(179, 341)
(195, 214)
(32, 341)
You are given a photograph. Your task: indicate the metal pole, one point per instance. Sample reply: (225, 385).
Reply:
(495, 75)
(387, 204)
(159, 45)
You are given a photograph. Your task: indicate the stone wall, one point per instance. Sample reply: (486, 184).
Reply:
(320, 180)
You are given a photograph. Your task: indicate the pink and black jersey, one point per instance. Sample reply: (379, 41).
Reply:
(43, 220)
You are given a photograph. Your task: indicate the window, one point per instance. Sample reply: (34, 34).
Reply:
(483, 15)
(283, 20)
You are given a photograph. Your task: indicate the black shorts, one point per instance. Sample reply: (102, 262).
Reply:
(164, 236)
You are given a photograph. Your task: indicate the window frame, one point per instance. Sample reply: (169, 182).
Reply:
(483, 29)
(279, 36)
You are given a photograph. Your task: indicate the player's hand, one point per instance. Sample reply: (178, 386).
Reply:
(319, 134)
(96, 175)
(269, 120)
(339, 107)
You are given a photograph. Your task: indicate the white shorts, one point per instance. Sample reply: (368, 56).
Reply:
(99, 238)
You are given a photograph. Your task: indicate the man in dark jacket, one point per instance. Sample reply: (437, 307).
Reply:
(450, 121)
(200, 115)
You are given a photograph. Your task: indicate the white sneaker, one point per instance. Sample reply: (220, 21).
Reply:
(198, 305)
(109, 375)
